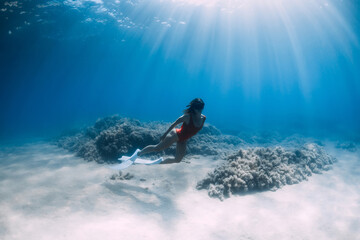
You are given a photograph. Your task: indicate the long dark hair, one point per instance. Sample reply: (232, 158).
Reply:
(197, 103)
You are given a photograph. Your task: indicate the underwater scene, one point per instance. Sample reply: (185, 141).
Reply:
(180, 119)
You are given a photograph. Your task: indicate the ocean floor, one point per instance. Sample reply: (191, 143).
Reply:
(48, 193)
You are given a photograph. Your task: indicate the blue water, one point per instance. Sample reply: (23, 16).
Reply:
(257, 64)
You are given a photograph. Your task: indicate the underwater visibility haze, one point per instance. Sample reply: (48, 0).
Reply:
(87, 87)
(257, 64)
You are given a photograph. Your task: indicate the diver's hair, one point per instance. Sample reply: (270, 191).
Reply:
(197, 103)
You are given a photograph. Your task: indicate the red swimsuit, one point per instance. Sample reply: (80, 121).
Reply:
(188, 130)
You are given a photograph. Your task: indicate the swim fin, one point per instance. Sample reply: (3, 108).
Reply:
(123, 165)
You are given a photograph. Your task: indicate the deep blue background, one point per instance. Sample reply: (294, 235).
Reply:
(63, 64)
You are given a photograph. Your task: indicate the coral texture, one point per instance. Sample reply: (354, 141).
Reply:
(349, 146)
(122, 176)
(265, 169)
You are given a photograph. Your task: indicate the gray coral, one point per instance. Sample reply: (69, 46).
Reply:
(265, 169)
(109, 138)
(349, 146)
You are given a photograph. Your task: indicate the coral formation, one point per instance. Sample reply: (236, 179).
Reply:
(109, 138)
(265, 169)
(122, 176)
(349, 146)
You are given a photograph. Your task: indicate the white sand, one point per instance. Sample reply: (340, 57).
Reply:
(47, 193)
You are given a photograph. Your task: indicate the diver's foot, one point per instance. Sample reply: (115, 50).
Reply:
(135, 155)
(139, 153)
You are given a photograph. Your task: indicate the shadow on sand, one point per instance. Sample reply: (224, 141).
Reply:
(145, 201)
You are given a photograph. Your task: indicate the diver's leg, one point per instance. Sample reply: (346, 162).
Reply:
(165, 143)
(180, 153)
(180, 150)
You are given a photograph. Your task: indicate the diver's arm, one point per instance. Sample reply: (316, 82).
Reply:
(178, 121)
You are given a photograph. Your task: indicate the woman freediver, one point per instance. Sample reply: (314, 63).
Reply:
(192, 121)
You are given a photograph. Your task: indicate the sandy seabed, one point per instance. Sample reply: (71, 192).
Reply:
(47, 193)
